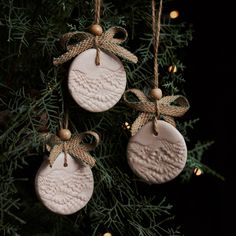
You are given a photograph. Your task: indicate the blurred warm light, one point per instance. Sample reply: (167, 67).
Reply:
(126, 125)
(172, 69)
(174, 14)
(197, 171)
(107, 234)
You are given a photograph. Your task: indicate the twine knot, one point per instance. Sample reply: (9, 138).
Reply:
(167, 107)
(75, 146)
(108, 40)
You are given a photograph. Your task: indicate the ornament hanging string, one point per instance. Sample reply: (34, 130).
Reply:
(64, 126)
(65, 120)
(97, 9)
(151, 109)
(156, 26)
(76, 145)
(109, 40)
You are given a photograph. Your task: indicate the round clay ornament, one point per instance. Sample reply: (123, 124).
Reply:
(96, 88)
(157, 158)
(64, 190)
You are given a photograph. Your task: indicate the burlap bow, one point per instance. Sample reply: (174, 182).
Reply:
(74, 146)
(168, 107)
(109, 41)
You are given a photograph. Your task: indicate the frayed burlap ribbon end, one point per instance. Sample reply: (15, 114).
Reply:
(167, 107)
(109, 41)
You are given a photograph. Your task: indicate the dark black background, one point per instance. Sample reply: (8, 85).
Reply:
(206, 206)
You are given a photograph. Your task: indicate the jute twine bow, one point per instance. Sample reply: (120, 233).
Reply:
(107, 41)
(168, 107)
(74, 146)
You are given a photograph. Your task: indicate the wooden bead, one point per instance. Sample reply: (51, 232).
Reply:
(156, 93)
(96, 30)
(64, 134)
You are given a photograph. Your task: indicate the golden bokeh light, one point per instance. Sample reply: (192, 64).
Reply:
(174, 14)
(172, 69)
(197, 171)
(126, 125)
(107, 234)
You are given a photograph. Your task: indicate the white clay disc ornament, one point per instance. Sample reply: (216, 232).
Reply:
(157, 158)
(64, 190)
(96, 88)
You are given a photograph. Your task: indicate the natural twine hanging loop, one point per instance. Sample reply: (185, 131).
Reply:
(75, 145)
(97, 9)
(85, 40)
(108, 40)
(167, 107)
(156, 26)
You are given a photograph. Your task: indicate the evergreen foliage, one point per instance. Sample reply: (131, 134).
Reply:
(33, 93)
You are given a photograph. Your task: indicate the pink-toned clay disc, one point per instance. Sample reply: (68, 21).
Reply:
(158, 158)
(96, 88)
(64, 190)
